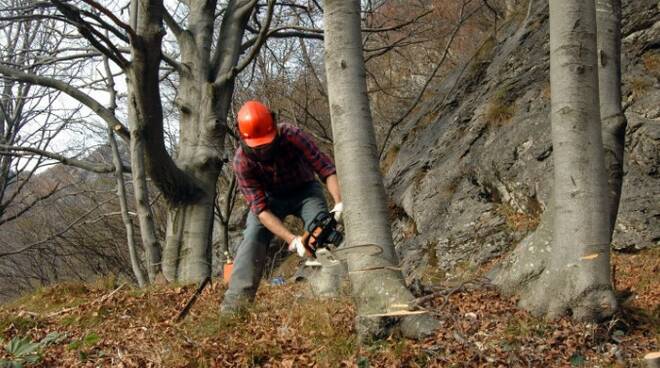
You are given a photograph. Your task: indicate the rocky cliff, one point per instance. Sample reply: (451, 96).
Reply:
(470, 173)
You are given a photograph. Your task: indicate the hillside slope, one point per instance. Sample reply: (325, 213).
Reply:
(470, 174)
(110, 324)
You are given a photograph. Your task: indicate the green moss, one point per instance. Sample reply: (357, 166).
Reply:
(86, 342)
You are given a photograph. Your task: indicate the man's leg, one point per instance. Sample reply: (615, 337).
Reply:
(248, 265)
(312, 202)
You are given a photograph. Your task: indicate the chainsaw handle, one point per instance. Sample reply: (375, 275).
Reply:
(306, 238)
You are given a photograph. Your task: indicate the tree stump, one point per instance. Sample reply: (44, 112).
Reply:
(653, 359)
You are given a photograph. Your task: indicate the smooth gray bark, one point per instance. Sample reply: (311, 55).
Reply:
(204, 98)
(613, 119)
(121, 184)
(224, 209)
(377, 283)
(579, 268)
(564, 267)
(123, 207)
(150, 242)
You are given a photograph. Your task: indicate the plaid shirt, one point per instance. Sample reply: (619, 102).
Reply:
(297, 159)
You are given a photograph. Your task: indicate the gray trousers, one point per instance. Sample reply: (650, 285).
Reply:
(251, 255)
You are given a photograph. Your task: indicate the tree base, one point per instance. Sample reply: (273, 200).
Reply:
(554, 287)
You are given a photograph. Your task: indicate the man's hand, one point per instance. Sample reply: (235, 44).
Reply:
(337, 211)
(297, 246)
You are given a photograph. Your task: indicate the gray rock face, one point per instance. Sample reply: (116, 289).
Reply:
(471, 183)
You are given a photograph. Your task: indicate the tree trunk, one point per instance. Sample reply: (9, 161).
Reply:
(140, 188)
(224, 215)
(123, 206)
(121, 185)
(377, 283)
(187, 253)
(150, 242)
(612, 117)
(204, 104)
(144, 74)
(564, 267)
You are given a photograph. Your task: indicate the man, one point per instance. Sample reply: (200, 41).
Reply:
(275, 167)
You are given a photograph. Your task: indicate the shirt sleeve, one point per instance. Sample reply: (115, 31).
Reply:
(320, 162)
(249, 186)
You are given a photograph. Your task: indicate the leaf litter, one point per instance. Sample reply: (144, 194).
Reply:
(110, 324)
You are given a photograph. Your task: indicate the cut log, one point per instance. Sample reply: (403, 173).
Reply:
(400, 313)
(653, 359)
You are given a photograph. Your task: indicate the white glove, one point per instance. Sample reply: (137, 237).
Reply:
(337, 210)
(297, 246)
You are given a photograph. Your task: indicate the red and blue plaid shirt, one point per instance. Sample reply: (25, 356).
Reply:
(297, 159)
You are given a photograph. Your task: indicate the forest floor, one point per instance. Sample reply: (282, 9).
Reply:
(111, 324)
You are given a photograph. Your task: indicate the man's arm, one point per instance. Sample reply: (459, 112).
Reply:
(275, 225)
(319, 161)
(333, 187)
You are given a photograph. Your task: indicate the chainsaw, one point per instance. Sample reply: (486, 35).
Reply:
(324, 242)
(323, 232)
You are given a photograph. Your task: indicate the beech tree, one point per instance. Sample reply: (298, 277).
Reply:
(564, 266)
(376, 282)
(208, 63)
(203, 47)
(51, 47)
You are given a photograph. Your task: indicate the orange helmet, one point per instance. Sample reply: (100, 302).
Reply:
(255, 124)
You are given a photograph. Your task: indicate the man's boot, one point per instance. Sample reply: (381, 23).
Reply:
(234, 304)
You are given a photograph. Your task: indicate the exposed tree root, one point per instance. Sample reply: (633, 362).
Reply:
(550, 286)
(526, 263)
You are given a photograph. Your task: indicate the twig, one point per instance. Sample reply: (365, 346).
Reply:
(184, 312)
(446, 293)
(99, 300)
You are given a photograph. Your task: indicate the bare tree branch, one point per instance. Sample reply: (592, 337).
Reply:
(98, 40)
(398, 26)
(112, 17)
(259, 42)
(74, 92)
(227, 40)
(172, 24)
(421, 92)
(99, 168)
(56, 235)
(29, 206)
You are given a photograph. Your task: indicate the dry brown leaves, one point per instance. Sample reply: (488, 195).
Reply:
(134, 328)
